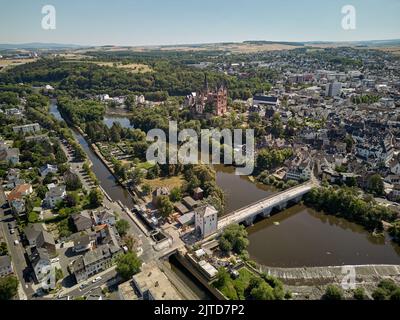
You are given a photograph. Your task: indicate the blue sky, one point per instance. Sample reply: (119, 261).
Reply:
(152, 22)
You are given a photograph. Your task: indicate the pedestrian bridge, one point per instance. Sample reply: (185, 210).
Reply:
(265, 206)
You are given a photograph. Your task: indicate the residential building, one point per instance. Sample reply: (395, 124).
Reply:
(6, 267)
(55, 195)
(93, 262)
(27, 128)
(42, 268)
(48, 168)
(103, 216)
(333, 89)
(82, 221)
(38, 237)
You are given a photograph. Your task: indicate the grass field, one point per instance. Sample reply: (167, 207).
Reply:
(7, 64)
(132, 67)
(170, 183)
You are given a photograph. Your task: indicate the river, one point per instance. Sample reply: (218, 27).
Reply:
(109, 120)
(303, 237)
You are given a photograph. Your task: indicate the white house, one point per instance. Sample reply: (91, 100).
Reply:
(55, 195)
(300, 172)
(103, 216)
(206, 220)
(48, 168)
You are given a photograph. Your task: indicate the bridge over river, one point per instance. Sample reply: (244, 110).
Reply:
(265, 206)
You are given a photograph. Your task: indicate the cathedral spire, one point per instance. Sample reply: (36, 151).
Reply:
(205, 82)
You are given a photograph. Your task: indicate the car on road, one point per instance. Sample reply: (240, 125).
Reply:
(83, 286)
(16, 242)
(12, 231)
(96, 279)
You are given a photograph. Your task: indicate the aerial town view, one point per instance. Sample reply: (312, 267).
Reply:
(212, 154)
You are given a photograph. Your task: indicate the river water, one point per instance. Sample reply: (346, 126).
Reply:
(109, 120)
(300, 236)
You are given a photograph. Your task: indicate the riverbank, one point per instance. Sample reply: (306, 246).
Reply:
(311, 282)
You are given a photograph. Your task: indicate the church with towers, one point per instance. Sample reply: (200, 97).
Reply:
(207, 101)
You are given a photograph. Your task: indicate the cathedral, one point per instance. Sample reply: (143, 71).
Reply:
(208, 101)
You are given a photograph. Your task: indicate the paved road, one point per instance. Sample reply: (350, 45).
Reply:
(17, 254)
(109, 277)
(272, 201)
(145, 242)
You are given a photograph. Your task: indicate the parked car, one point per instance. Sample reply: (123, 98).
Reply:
(83, 286)
(12, 231)
(16, 242)
(96, 279)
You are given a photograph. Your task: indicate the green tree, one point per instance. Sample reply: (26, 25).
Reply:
(8, 287)
(128, 265)
(222, 278)
(359, 294)
(379, 294)
(236, 235)
(395, 295)
(225, 245)
(165, 206)
(262, 291)
(146, 188)
(122, 227)
(375, 185)
(333, 292)
(176, 194)
(95, 198)
(41, 192)
(3, 249)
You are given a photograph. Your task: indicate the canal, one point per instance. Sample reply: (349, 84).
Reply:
(106, 179)
(295, 237)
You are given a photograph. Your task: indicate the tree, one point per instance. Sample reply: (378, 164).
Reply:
(333, 292)
(176, 194)
(379, 294)
(8, 287)
(165, 206)
(95, 198)
(225, 245)
(277, 126)
(359, 294)
(395, 296)
(222, 278)
(262, 291)
(146, 188)
(72, 181)
(3, 249)
(137, 176)
(375, 185)
(41, 192)
(128, 265)
(236, 235)
(122, 227)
